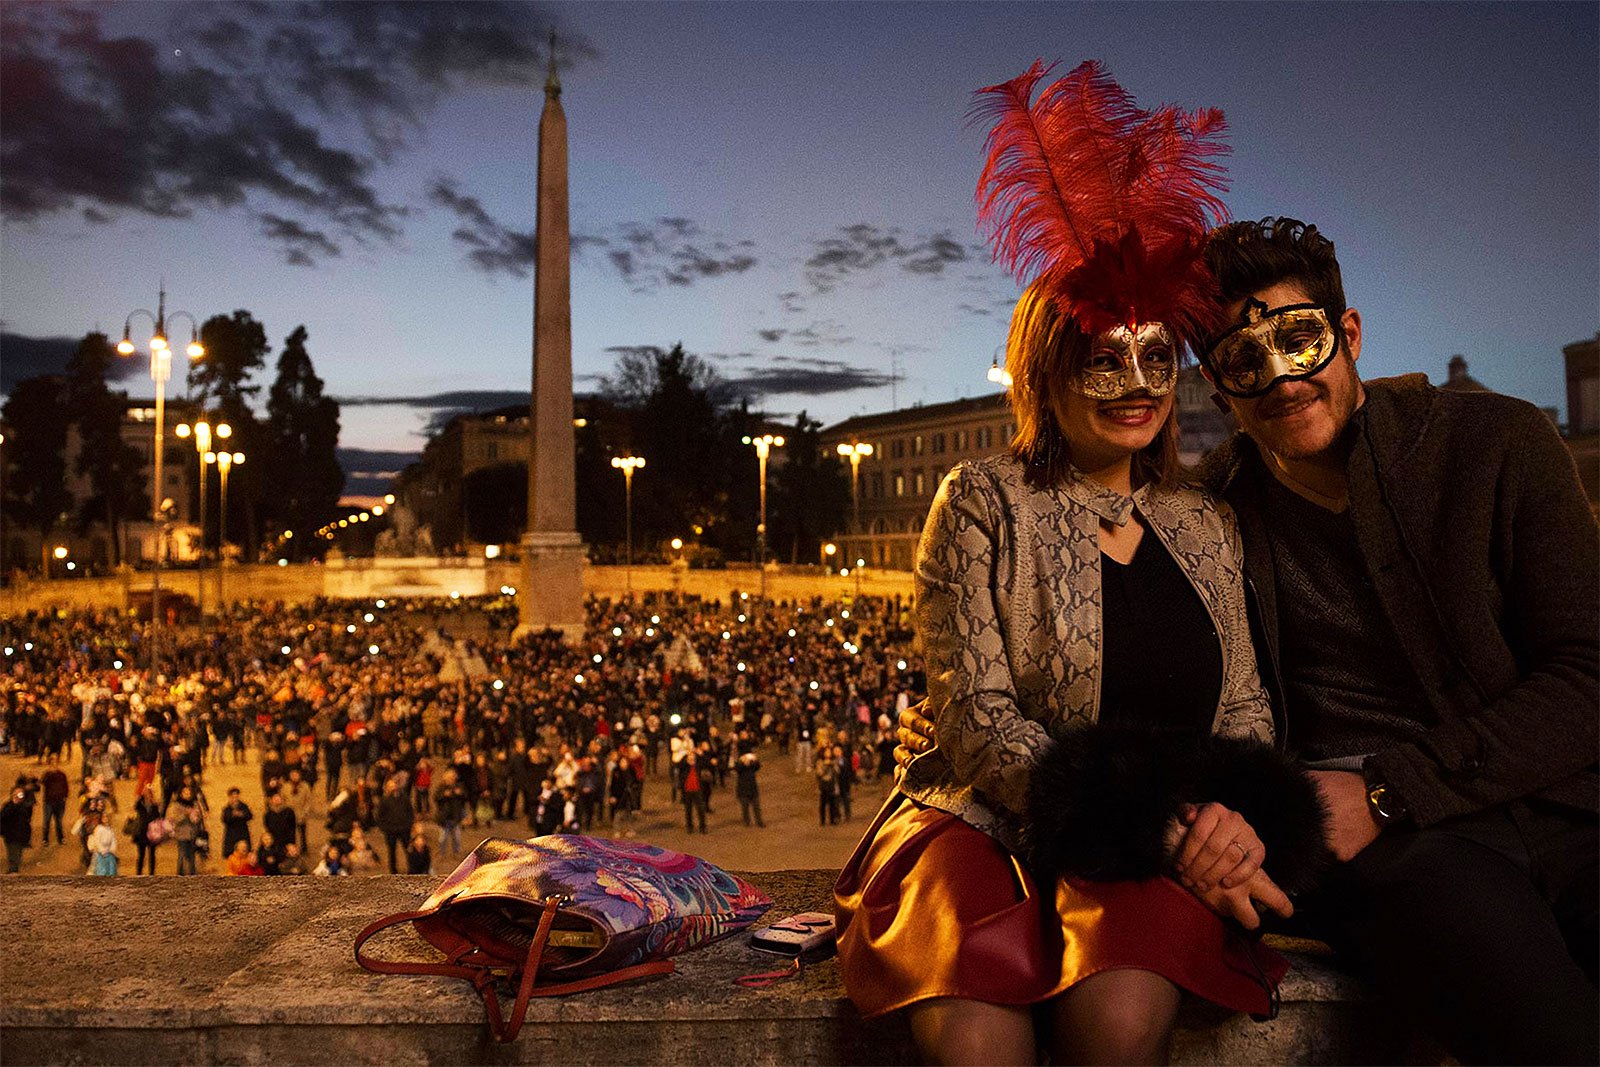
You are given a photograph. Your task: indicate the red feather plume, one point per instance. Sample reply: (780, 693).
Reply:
(1106, 203)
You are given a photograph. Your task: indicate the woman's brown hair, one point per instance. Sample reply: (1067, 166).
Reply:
(1043, 351)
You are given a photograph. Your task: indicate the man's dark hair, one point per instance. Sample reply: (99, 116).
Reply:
(1248, 256)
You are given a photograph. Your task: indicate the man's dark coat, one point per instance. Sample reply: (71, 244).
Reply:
(1480, 543)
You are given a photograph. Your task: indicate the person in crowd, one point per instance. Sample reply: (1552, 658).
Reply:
(692, 786)
(241, 860)
(16, 827)
(54, 791)
(293, 861)
(746, 788)
(150, 830)
(450, 806)
(332, 864)
(102, 848)
(236, 818)
(419, 857)
(361, 859)
(395, 818)
(188, 822)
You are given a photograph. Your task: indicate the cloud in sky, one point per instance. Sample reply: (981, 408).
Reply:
(252, 114)
(24, 357)
(803, 376)
(864, 247)
(666, 251)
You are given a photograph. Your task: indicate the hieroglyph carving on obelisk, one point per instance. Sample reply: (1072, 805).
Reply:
(551, 596)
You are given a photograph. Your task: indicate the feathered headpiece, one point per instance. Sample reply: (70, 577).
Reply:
(1106, 204)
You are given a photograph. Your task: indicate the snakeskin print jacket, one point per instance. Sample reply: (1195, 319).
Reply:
(1008, 612)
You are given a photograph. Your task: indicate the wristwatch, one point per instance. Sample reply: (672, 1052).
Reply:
(1383, 802)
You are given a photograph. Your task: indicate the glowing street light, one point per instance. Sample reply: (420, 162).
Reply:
(855, 453)
(160, 373)
(225, 462)
(627, 465)
(202, 431)
(763, 446)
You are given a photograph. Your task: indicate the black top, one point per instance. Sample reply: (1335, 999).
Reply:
(1163, 659)
(1350, 686)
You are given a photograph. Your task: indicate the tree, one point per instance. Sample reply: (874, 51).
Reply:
(301, 477)
(35, 417)
(236, 347)
(811, 494)
(684, 421)
(115, 468)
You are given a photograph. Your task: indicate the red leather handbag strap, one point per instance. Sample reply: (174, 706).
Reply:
(482, 977)
(448, 970)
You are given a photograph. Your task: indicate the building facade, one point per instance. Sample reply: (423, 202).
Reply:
(89, 540)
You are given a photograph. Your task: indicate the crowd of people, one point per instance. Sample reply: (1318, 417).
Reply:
(382, 734)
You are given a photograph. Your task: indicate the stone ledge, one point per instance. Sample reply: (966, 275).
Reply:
(255, 970)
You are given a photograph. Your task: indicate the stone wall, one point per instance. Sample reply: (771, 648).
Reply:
(261, 970)
(298, 583)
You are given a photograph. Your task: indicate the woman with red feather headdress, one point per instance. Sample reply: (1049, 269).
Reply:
(1091, 834)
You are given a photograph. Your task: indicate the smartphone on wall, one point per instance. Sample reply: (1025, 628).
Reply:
(803, 934)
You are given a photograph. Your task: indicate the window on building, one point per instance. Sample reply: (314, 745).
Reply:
(916, 445)
(918, 483)
(899, 484)
(938, 444)
(876, 485)
(961, 441)
(1011, 431)
(897, 449)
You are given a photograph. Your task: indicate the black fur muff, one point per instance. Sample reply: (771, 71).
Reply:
(1101, 798)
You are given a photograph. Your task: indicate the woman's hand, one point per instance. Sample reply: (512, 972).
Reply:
(915, 734)
(1240, 902)
(1219, 849)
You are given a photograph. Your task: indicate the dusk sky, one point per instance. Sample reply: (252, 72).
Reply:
(787, 189)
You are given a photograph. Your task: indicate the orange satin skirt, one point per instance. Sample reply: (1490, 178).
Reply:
(931, 907)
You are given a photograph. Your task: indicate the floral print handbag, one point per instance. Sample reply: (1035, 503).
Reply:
(577, 912)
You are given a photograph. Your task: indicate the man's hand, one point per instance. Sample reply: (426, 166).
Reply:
(1236, 903)
(915, 734)
(1351, 827)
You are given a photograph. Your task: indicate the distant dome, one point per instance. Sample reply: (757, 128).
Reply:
(1460, 380)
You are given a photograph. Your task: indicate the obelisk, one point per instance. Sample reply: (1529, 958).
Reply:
(551, 596)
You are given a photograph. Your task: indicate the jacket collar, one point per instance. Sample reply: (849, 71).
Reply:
(1106, 504)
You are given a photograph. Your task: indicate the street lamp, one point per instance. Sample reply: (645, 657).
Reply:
(855, 452)
(998, 374)
(225, 462)
(202, 432)
(627, 465)
(828, 551)
(763, 446)
(160, 372)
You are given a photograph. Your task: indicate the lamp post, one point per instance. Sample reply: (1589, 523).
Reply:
(828, 551)
(627, 465)
(160, 372)
(202, 432)
(225, 462)
(855, 452)
(763, 446)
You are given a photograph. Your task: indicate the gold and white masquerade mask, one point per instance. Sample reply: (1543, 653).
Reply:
(1270, 345)
(1123, 361)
